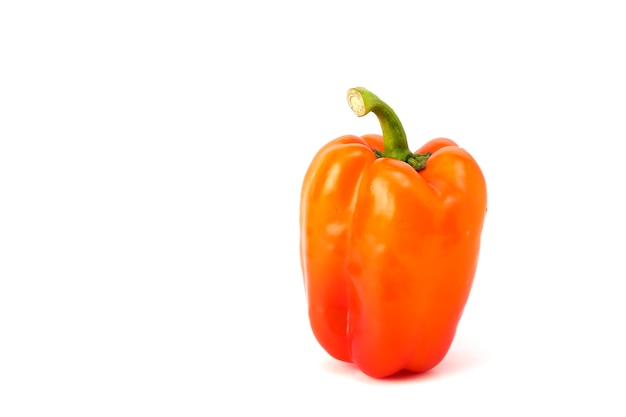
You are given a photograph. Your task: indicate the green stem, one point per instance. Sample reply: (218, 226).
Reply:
(395, 145)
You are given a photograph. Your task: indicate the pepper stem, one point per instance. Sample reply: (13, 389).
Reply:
(395, 145)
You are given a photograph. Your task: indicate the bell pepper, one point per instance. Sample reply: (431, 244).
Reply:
(389, 244)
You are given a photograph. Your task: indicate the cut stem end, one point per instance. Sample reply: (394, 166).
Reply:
(356, 102)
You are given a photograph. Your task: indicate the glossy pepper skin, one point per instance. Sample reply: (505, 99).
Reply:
(389, 244)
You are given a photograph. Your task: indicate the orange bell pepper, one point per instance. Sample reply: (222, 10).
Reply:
(389, 244)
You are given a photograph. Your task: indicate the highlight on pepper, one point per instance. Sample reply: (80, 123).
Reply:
(389, 244)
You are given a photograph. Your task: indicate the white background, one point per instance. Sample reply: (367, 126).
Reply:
(151, 159)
